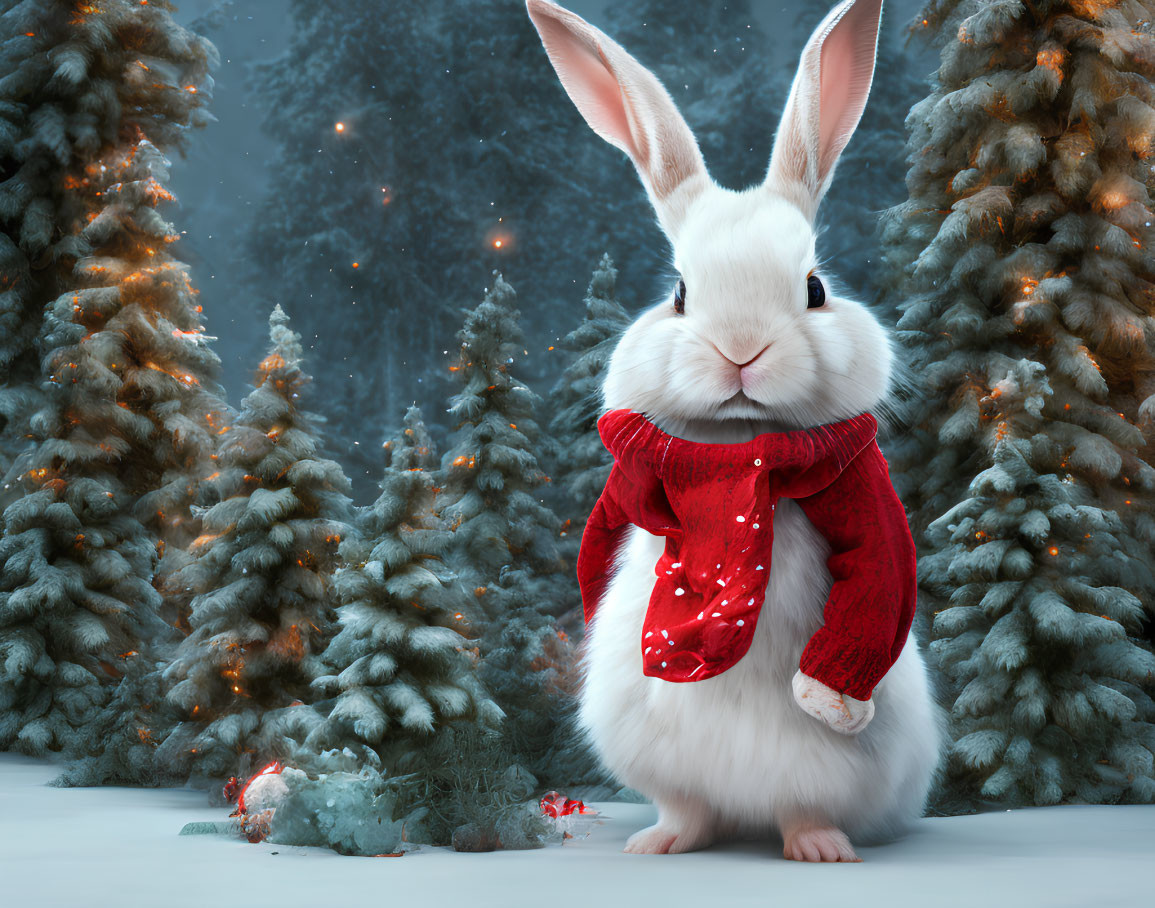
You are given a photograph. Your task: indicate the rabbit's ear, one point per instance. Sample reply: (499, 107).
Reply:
(626, 105)
(826, 103)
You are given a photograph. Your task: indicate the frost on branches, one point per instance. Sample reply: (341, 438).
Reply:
(261, 576)
(1024, 270)
(126, 399)
(399, 670)
(28, 210)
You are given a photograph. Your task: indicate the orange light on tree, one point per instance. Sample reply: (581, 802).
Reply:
(499, 238)
(1113, 199)
(1052, 59)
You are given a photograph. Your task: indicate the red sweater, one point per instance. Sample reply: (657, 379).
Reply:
(714, 504)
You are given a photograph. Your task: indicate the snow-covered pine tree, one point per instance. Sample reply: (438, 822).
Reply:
(492, 470)
(576, 400)
(581, 462)
(261, 575)
(28, 208)
(124, 422)
(1024, 266)
(504, 538)
(399, 669)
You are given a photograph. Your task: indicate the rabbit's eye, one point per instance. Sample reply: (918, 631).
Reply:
(815, 293)
(680, 298)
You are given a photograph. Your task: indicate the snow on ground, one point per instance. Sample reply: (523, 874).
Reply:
(119, 848)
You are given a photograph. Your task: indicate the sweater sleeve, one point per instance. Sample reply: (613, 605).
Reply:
(633, 495)
(872, 562)
(600, 541)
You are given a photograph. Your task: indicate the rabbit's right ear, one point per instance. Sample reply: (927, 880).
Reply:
(626, 105)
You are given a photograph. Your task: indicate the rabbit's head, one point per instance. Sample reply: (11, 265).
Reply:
(750, 338)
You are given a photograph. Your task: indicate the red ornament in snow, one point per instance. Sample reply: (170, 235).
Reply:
(273, 769)
(258, 800)
(556, 805)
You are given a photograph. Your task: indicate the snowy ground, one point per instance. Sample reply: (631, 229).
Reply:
(119, 847)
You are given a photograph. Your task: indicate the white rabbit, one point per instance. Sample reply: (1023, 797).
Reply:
(738, 352)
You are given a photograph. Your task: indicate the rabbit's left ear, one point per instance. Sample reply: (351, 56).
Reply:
(625, 104)
(826, 102)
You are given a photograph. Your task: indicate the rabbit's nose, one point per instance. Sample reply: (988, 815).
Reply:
(742, 366)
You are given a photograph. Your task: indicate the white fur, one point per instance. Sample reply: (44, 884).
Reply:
(735, 753)
(737, 745)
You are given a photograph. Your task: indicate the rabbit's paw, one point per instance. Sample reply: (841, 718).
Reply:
(659, 839)
(842, 713)
(655, 839)
(685, 823)
(818, 844)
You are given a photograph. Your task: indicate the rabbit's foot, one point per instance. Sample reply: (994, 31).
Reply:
(683, 825)
(659, 839)
(655, 839)
(818, 844)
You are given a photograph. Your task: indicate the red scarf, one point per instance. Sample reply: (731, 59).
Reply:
(714, 504)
